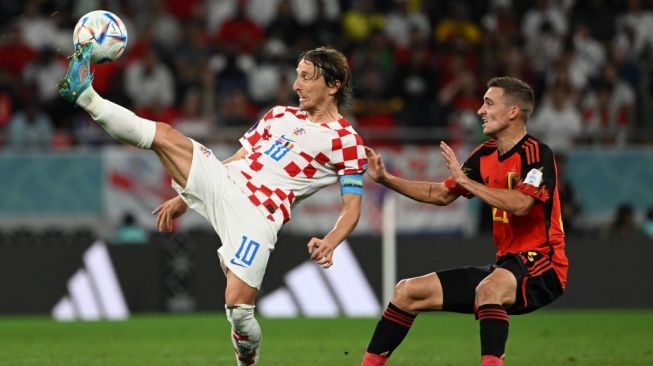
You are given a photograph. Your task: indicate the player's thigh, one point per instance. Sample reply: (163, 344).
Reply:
(175, 151)
(238, 292)
(499, 287)
(417, 294)
(459, 287)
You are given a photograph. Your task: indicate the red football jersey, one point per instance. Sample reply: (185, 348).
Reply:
(530, 168)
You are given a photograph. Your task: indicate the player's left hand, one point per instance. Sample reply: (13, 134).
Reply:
(452, 163)
(321, 252)
(167, 212)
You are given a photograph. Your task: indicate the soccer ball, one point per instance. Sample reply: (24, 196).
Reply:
(107, 33)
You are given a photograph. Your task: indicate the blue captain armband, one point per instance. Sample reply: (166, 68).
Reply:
(351, 183)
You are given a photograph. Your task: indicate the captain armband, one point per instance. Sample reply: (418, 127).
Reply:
(351, 183)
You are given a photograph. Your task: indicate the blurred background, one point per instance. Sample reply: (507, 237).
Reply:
(211, 68)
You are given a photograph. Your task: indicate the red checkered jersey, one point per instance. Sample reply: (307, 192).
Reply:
(530, 168)
(289, 158)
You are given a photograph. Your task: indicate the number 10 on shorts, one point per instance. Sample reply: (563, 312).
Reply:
(247, 251)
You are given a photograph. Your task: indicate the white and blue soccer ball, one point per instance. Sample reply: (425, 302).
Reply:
(107, 33)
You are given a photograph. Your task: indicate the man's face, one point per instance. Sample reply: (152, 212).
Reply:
(495, 111)
(312, 91)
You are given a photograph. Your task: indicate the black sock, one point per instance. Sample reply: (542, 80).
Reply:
(390, 331)
(493, 321)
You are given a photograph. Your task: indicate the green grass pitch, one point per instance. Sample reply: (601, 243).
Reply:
(575, 338)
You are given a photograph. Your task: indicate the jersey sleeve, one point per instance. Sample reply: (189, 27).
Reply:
(259, 130)
(348, 154)
(539, 178)
(471, 168)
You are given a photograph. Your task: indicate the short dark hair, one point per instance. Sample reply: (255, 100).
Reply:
(516, 91)
(333, 65)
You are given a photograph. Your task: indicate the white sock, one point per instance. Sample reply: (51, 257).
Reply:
(246, 333)
(121, 123)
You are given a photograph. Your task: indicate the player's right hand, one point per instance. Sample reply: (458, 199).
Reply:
(168, 211)
(375, 167)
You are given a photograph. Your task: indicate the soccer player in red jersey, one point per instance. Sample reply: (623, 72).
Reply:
(516, 175)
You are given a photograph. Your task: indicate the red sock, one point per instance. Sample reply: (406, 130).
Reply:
(372, 359)
(489, 360)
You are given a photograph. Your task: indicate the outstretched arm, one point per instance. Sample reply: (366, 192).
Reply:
(427, 192)
(321, 250)
(509, 200)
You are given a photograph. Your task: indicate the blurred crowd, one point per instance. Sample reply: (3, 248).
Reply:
(212, 67)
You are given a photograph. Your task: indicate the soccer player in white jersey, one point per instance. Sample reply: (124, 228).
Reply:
(286, 156)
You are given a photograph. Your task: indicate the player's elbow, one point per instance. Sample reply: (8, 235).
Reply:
(442, 199)
(438, 202)
(523, 209)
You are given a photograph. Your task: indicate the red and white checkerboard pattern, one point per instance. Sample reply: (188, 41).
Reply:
(309, 156)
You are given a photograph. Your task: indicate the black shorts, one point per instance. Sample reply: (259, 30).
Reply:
(537, 283)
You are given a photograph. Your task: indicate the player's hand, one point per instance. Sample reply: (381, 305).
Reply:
(321, 252)
(168, 211)
(452, 163)
(375, 167)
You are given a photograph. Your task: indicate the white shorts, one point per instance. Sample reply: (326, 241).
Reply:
(247, 236)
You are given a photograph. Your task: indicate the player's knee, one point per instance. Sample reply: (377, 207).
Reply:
(488, 292)
(401, 292)
(240, 314)
(406, 295)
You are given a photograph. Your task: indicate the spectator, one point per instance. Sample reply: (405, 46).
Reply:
(647, 225)
(38, 31)
(373, 109)
(623, 223)
(15, 53)
(284, 27)
(320, 19)
(44, 73)
(166, 27)
(457, 25)
(149, 81)
(460, 96)
(239, 34)
(311, 12)
(191, 56)
(558, 121)
(405, 19)
(609, 109)
(635, 26)
(30, 129)
(544, 48)
(569, 205)
(500, 20)
(589, 53)
(626, 66)
(263, 80)
(415, 84)
(599, 18)
(236, 110)
(544, 16)
(361, 20)
(129, 231)
(192, 121)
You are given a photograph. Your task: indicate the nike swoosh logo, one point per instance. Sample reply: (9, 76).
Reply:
(233, 261)
(283, 136)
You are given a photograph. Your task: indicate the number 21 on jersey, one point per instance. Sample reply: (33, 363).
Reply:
(499, 215)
